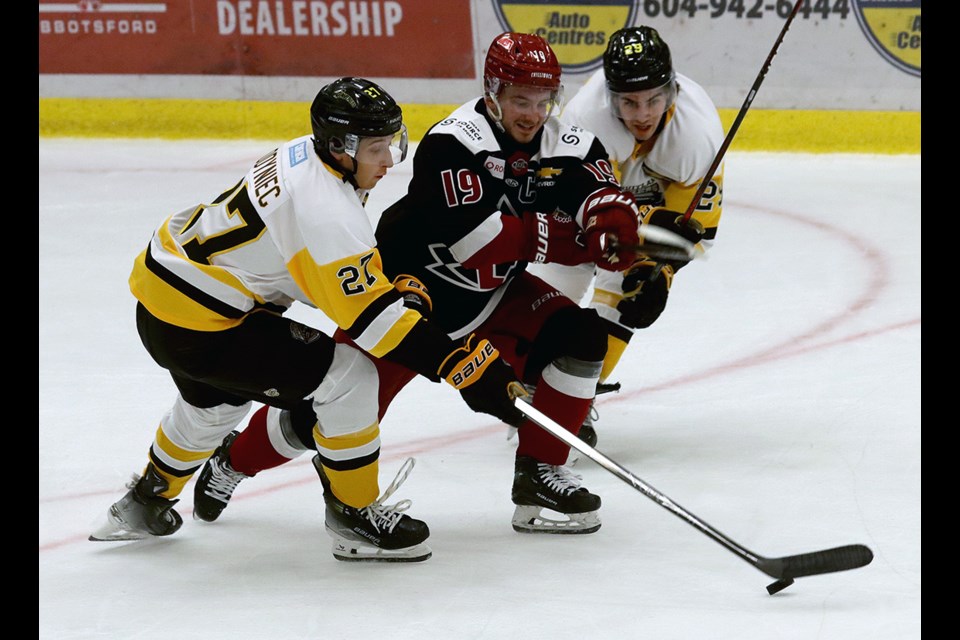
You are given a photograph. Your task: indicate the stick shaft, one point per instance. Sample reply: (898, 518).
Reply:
(617, 469)
(805, 564)
(695, 201)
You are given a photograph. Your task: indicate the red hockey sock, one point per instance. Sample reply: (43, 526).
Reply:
(568, 411)
(252, 451)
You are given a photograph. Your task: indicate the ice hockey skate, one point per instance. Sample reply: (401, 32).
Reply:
(549, 499)
(377, 532)
(216, 483)
(141, 513)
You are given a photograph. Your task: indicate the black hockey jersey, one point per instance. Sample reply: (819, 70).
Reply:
(466, 175)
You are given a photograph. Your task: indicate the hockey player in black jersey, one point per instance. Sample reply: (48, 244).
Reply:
(498, 184)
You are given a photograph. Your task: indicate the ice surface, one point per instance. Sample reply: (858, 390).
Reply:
(777, 398)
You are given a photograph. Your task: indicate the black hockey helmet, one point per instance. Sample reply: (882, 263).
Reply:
(636, 59)
(349, 109)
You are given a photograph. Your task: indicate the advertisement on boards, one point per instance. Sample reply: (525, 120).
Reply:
(381, 38)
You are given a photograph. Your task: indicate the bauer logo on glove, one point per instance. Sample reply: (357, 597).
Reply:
(610, 223)
(467, 364)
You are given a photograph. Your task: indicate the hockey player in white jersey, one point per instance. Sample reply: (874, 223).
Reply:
(662, 132)
(212, 287)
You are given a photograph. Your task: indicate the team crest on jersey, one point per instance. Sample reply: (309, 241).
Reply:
(893, 29)
(577, 31)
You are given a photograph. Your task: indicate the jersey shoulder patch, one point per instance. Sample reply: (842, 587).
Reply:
(469, 128)
(562, 139)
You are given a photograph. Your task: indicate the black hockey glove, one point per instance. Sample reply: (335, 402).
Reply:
(415, 294)
(690, 229)
(645, 294)
(486, 383)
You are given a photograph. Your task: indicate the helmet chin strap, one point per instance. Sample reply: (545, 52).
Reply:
(356, 166)
(331, 157)
(498, 116)
(340, 153)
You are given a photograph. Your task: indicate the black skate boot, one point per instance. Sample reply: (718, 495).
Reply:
(377, 532)
(216, 483)
(538, 486)
(141, 513)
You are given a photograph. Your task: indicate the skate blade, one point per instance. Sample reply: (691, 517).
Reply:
(352, 551)
(113, 531)
(533, 519)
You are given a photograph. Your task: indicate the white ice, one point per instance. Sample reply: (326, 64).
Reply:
(777, 399)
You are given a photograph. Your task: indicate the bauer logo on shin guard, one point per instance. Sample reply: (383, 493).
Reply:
(471, 368)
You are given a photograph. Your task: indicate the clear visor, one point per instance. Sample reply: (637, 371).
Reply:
(645, 104)
(526, 97)
(388, 150)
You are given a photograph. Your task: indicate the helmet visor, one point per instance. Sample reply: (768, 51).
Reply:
(542, 100)
(647, 103)
(388, 149)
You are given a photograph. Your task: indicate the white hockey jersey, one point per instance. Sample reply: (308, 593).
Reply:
(293, 229)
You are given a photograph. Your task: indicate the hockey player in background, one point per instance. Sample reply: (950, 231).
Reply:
(212, 287)
(499, 183)
(662, 132)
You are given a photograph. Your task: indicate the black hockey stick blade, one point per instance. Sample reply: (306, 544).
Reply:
(784, 569)
(852, 556)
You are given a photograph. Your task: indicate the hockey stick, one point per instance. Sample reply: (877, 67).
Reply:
(718, 158)
(695, 201)
(784, 569)
(662, 244)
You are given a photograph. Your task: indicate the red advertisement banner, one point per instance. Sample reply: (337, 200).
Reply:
(382, 38)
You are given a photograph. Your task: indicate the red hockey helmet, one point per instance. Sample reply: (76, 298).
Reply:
(520, 58)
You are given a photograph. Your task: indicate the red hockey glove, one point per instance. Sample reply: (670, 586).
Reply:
(485, 382)
(554, 237)
(645, 295)
(610, 223)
